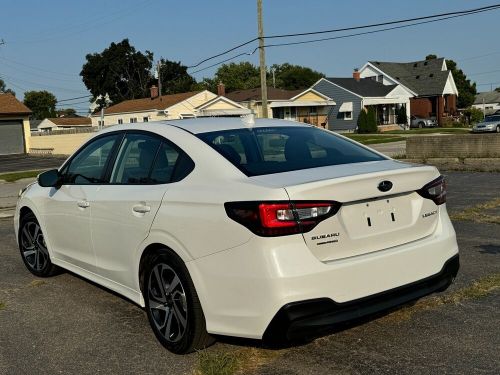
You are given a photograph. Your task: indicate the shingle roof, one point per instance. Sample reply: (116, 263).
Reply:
(9, 105)
(489, 97)
(255, 94)
(71, 121)
(365, 87)
(147, 104)
(425, 78)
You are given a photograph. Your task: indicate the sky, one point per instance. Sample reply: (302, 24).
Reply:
(46, 41)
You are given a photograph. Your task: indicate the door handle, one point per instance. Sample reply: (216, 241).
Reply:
(141, 209)
(83, 204)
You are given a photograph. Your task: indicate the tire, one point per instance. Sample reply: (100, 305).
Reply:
(421, 125)
(33, 249)
(498, 129)
(172, 305)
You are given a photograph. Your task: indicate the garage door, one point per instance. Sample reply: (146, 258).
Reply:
(11, 137)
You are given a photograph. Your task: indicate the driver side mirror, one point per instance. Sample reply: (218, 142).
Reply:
(50, 178)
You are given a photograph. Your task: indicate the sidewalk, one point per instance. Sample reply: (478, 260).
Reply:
(8, 195)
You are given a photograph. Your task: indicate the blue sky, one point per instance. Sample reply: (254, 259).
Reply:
(46, 41)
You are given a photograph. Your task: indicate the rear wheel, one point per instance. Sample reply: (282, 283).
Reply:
(498, 129)
(421, 125)
(172, 305)
(33, 247)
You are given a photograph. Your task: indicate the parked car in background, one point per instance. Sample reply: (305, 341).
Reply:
(265, 229)
(421, 122)
(489, 124)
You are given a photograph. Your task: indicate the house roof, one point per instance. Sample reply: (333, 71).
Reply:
(148, 104)
(71, 121)
(365, 87)
(256, 94)
(487, 97)
(425, 78)
(9, 105)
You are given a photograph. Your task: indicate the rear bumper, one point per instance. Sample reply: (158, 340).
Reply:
(243, 289)
(306, 318)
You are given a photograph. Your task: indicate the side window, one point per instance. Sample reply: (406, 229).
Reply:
(231, 146)
(171, 165)
(135, 159)
(88, 166)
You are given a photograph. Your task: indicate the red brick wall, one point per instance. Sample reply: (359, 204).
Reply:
(421, 107)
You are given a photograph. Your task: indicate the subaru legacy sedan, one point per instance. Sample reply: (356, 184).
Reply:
(264, 229)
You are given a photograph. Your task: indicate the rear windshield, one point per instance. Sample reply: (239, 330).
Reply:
(260, 151)
(492, 119)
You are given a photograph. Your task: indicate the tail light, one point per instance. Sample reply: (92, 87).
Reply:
(280, 218)
(435, 190)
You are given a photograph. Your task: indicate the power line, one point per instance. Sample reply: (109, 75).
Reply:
(78, 97)
(486, 8)
(481, 73)
(345, 36)
(371, 31)
(36, 68)
(440, 15)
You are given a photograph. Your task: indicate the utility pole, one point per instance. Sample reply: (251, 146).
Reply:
(262, 58)
(159, 78)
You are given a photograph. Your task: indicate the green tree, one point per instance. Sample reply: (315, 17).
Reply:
(293, 77)
(120, 71)
(466, 90)
(371, 120)
(497, 89)
(431, 57)
(41, 103)
(4, 89)
(237, 76)
(175, 78)
(66, 112)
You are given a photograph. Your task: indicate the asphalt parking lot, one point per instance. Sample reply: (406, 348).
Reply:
(67, 325)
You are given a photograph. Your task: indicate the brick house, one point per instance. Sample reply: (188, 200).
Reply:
(431, 84)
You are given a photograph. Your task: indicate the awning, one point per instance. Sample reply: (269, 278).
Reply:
(300, 103)
(346, 107)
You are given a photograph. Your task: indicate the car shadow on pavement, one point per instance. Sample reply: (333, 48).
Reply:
(489, 249)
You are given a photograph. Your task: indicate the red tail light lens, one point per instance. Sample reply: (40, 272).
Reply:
(435, 190)
(269, 219)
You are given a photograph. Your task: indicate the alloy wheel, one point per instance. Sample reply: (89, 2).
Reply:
(167, 302)
(34, 249)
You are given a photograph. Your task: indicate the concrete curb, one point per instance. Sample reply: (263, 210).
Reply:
(456, 164)
(7, 212)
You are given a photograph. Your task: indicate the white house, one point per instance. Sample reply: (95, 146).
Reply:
(488, 102)
(63, 123)
(169, 107)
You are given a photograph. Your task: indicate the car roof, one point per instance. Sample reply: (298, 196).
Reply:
(210, 124)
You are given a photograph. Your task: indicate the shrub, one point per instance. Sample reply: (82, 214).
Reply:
(362, 122)
(372, 120)
(473, 115)
(401, 116)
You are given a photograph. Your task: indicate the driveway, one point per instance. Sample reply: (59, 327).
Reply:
(67, 325)
(15, 163)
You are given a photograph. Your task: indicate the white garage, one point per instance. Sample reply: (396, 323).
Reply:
(14, 126)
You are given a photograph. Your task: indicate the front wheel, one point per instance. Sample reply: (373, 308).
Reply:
(498, 129)
(33, 248)
(172, 305)
(421, 125)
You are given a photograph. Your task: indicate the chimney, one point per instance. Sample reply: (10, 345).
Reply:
(356, 74)
(154, 91)
(221, 89)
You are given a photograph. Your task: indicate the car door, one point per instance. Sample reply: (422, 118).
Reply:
(67, 212)
(123, 211)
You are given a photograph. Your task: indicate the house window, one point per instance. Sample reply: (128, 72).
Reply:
(133, 120)
(101, 122)
(347, 115)
(145, 119)
(120, 121)
(313, 110)
(380, 78)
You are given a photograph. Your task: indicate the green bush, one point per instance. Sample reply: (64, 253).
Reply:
(401, 116)
(372, 120)
(473, 115)
(362, 122)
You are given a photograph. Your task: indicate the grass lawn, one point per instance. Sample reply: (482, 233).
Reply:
(431, 131)
(11, 177)
(370, 139)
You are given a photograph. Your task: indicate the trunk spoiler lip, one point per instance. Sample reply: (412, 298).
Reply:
(394, 167)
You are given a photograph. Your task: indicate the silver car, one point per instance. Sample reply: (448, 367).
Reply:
(421, 122)
(489, 124)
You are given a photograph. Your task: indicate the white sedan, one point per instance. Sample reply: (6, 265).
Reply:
(263, 229)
